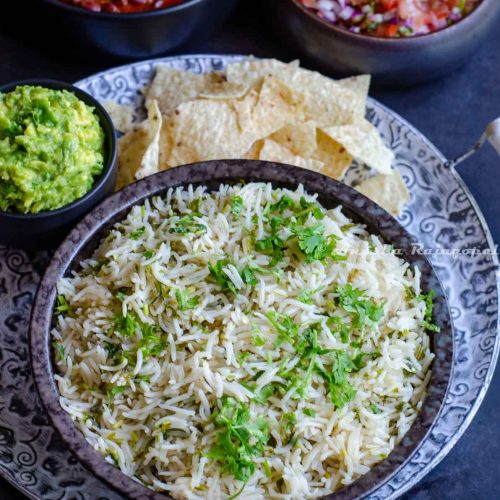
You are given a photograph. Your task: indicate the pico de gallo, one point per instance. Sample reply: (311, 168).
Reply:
(123, 6)
(392, 18)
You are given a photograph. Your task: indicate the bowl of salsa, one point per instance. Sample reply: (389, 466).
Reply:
(136, 29)
(392, 18)
(399, 42)
(122, 6)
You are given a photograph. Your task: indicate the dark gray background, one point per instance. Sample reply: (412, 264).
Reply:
(451, 112)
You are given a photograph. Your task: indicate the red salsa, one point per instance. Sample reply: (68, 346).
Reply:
(392, 18)
(123, 6)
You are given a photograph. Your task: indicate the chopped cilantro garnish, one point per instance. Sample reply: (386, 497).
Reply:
(237, 206)
(135, 235)
(148, 254)
(313, 243)
(287, 329)
(341, 391)
(267, 469)
(186, 224)
(271, 245)
(239, 439)
(288, 420)
(309, 412)
(305, 297)
(257, 338)
(365, 311)
(375, 409)
(309, 207)
(117, 390)
(217, 272)
(248, 276)
(151, 343)
(339, 328)
(62, 305)
(242, 356)
(429, 306)
(126, 325)
(184, 301)
(59, 350)
(283, 204)
(346, 227)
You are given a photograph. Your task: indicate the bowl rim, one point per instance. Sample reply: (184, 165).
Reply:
(360, 37)
(87, 235)
(124, 15)
(107, 127)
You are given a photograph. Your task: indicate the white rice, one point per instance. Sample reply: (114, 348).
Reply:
(158, 426)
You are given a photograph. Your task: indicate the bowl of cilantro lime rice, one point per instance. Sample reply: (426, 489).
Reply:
(57, 160)
(241, 329)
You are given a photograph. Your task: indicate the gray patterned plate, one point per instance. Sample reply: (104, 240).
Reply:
(442, 216)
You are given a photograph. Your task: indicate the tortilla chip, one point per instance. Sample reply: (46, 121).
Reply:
(252, 71)
(359, 84)
(276, 106)
(272, 151)
(362, 140)
(223, 90)
(139, 149)
(254, 152)
(327, 102)
(150, 161)
(388, 191)
(333, 155)
(172, 87)
(299, 138)
(122, 116)
(206, 130)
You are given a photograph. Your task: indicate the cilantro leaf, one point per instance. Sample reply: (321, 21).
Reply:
(248, 276)
(151, 343)
(375, 409)
(283, 204)
(184, 301)
(287, 329)
(217, 272)
(341, 391)
(313, 243)
(305, 297)
(117, 390)
(429, 307)
(309, 412)
(309, 207)
(126, 325)
(186, 224)
(239, 439)
(237, 206)
(62, 305)
(339, 328)
(135, 235)
(365, 311)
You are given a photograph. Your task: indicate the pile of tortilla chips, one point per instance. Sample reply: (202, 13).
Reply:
(259, 109)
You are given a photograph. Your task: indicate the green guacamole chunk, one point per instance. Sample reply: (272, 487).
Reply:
(51, 149)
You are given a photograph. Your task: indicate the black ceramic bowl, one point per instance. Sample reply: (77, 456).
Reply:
(83, 240)
(391, 61)
(142, 34)
(46, 229)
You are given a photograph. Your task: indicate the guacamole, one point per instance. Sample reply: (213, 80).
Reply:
(51, 149)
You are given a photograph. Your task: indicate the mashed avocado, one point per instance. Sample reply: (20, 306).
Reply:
(51, 149)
